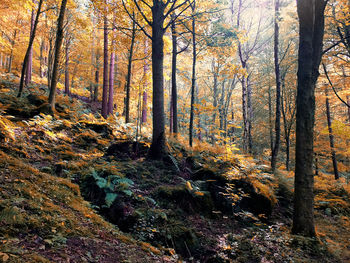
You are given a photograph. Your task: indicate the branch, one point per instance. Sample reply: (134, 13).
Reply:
(136, 22)
(330, 82)
(334, 45)
(176, 16)
(143, 15)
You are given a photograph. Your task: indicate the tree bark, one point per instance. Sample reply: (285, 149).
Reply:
(105, 68)
(13, 42)
(97, 71)
(194, 60)
(66, 70)
(144, 95)
(173, 79)
(26, 57)
(278, 92)
(58, 44)
(30, 62)
(42, 48)
(331, 138)
(270, 119)
(157, 148)
(111, 78)
(128, 76)
(311, 31)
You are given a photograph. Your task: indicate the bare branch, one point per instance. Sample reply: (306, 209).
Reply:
(330, 83)
(143, 15)
(135, 20)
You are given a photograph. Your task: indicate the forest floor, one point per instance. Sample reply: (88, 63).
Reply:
(77, 188)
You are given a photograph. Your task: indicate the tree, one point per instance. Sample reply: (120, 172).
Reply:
(276, 145)
(128, 76)
(160, 11)
(105, 67)
(58, 44)
(331, 137)
(311, 32)
(27, 55)
(194, 61)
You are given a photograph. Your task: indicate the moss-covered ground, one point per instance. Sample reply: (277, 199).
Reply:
(77, 188)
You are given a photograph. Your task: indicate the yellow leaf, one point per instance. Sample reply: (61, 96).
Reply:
(189, 186)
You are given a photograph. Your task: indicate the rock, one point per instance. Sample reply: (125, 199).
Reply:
(222, 188)
(35, 100)
(195, 200)
(101, 128)
(44, 108)
(127, 149)
(185, 240)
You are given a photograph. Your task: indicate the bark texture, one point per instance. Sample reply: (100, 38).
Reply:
(311, 31)
(26, 57)
(58, 44)
(105, 69)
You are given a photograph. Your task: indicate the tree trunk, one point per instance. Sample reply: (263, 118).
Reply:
(42, 47)
(58, 44)
(270, 120)
(144, 95)
(111, 78)
(26, 57)
(278, 92)
(331, 138)
(348, 100)
(221, 107)
(66, 70)
(249, 116)
(157, 148)
(173, 79)
(311, 31)
(97, 72)
(13, 42)
(194, 60)
(105, 68)
(30, 62)
(128, 76)
(144, 107)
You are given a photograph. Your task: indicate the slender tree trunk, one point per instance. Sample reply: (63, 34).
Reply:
(13, 42)
(58, 44)
(270, 120)
(144, 107)
(221, 107)
(97, 72)
(128, 76)
(157, 149)
(111, 77)
(311, 31)
(287, 129)
(278, 92)
(245, 117)
(30, 62)
(348, 100)
(105, 68)
(144, 95)
(215, 101)
(42, 48)
(249, 116)
(26, 57)
(173, 79)
(331, 138)
(66, 70)
(194, 61)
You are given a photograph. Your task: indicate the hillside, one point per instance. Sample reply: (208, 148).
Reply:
(78, 188)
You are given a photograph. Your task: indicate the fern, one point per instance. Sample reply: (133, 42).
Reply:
(111, 185)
